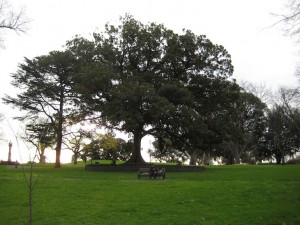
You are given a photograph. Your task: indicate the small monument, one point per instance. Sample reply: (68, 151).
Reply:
(9, 151)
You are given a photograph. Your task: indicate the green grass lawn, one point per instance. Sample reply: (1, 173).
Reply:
(260, 194)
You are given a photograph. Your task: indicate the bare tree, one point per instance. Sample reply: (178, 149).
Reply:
(289, 98)
(11, 20)
(40, 134)
(74, 141)
(290, 18)
(259, 90)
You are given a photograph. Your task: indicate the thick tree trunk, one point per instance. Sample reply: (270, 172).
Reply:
(57, 156)
(58, 148)
(278, 157)
(136, 157)
(283, 154)
(60, 127)
(75, 158)
(193, 157)
(278, 160)
(59, 142)
(230, 159)
(42, 156)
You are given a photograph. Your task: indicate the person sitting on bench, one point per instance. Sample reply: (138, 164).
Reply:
(153, 172)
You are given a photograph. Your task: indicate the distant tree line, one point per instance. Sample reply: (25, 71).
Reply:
(147, 80)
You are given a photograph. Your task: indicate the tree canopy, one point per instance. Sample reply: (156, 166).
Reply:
(140, 77)
(281, 139)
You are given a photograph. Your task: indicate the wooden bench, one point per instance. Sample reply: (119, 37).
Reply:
(145, 172)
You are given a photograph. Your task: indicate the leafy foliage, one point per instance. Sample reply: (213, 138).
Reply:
(141, 77)
(74, 141)
(281, 138)
(165, 151)
(41, 134)
(107, 147)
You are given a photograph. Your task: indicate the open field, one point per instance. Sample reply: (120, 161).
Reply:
(260, 194)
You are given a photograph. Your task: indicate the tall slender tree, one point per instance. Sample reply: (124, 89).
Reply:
(45, 90)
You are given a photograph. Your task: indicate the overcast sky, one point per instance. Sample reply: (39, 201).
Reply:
(259, 55)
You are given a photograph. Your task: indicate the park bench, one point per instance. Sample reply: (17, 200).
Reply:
(145, 172)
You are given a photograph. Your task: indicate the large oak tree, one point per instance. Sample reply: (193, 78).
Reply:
(138, 77)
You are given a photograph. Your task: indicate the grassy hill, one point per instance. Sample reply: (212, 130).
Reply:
(258, 194)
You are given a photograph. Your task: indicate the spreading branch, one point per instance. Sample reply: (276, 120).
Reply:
(11, 20)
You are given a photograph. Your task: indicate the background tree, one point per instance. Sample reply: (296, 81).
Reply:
(260, 90)
(251, 122)
(281, 137)
(244, 125)
(140, 76)
(215, 106)
(11, 20)
(289, 99)
(211, 118)
(107, 147)
(40, 134)
(74, 141)
(92, 150)
(108, 144)
(165, 151)
(45, 90)
(123, 149)
(290, 17)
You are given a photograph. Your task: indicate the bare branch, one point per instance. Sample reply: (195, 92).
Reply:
(11, 20)
(259, 90)
(290, 18)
